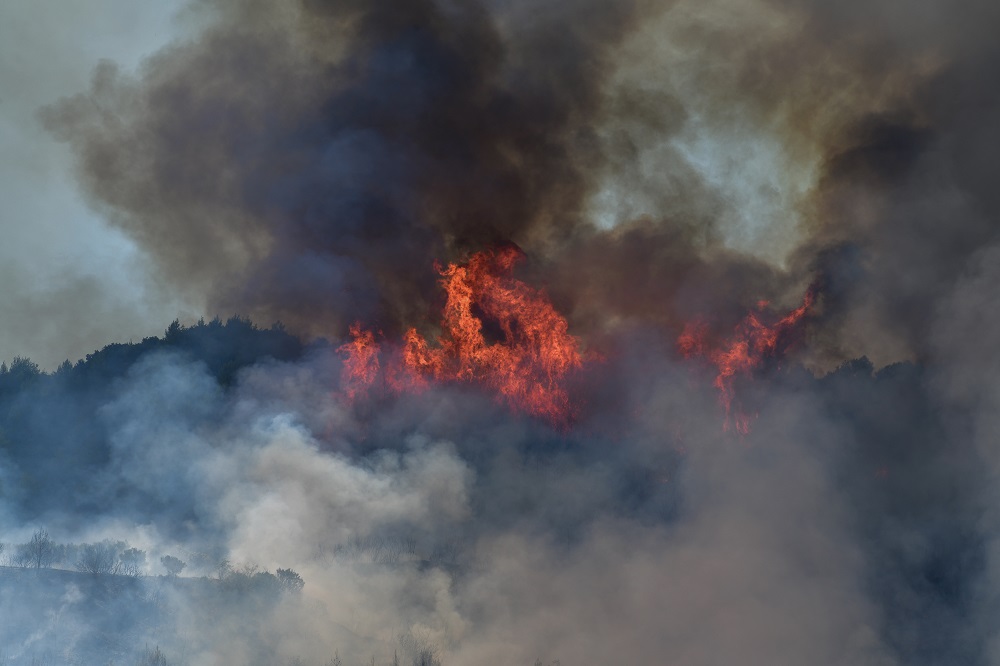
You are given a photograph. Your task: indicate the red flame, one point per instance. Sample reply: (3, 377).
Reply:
(527, 367)
(362, 364)
(751, 345)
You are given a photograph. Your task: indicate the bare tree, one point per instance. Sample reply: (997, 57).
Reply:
(40, 552)
(99, 558)
(421, 652)
(132, 562)
(377, 549)
(152, 658)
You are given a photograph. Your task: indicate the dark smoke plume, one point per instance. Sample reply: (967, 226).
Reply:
(310, 162)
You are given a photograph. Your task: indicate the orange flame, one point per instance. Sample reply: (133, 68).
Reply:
(752, 344)
(528, 366)
(362, 363)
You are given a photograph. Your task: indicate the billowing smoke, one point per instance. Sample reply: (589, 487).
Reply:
(738, 474)
(309, 162)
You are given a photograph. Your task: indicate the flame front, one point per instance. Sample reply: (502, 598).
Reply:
(752, 343)
(527, 367)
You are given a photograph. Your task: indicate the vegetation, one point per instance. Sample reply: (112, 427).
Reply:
(40, 552)
(173, 565)
(51, 426)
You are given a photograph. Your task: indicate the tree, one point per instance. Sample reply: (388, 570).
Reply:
(421, 652)
(172, 564)
(132, 562)
(40, 552)
(23, 370)
(99, 558)
(223, 569)
(173, 332)
(152, 658)
(290, 581)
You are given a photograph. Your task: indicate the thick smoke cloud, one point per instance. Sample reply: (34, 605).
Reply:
(657, 540)
(310, 162)
(660, 163)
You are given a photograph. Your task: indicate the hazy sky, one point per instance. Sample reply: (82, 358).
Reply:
(70, 283)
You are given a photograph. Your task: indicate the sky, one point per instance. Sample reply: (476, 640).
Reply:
(71, 283)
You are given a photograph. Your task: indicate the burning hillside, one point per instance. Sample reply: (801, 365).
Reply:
(534, 268)
(526, 366)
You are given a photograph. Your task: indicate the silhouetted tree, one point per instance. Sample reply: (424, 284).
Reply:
(290, 580)
(132, 562)
(100, 558)
(173, 332)
(223, 569)
(40, 552)
(172, 564)
(421, 653)
(152, 658)
(23, 369)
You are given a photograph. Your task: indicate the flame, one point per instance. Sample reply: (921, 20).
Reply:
(527, 367)
(361, 364)
(753, 343)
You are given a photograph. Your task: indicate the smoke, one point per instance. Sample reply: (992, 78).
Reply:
(318, 157)
(309, 163)
(660, 163)
(626, 547)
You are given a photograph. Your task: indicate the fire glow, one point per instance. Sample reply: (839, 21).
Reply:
(752, 344)
(527, 367)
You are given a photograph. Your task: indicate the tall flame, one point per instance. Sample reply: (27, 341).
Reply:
(527, 366)
(361, 365)
(752, 343)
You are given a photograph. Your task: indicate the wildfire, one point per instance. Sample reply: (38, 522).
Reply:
(527, 366)
(752, 343)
